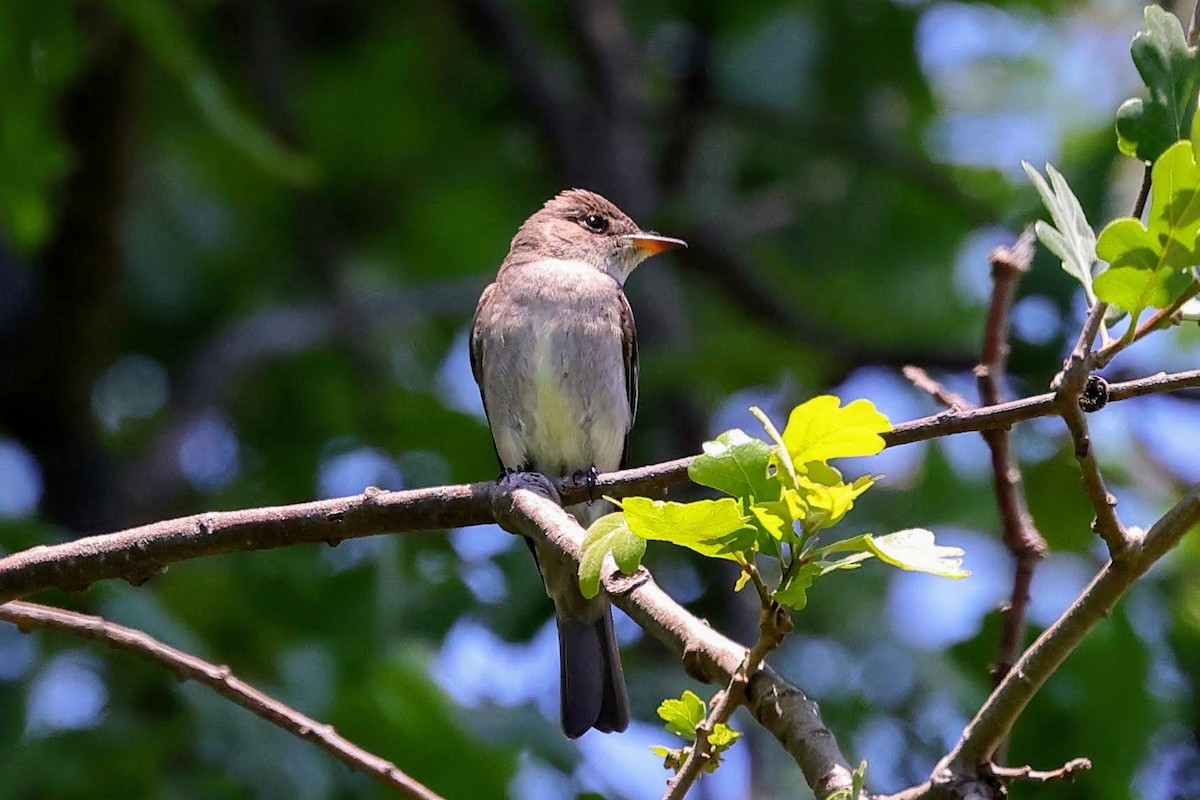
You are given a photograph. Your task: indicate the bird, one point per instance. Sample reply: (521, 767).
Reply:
(554, 351)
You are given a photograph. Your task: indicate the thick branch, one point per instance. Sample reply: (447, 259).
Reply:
(775, 623)
(28, 616)
(707, 655)
(138, 554)
(995, 718)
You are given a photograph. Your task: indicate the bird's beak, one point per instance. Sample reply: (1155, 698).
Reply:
(651, 244)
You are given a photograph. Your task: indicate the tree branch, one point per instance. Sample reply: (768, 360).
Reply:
(1021, 536)
(137, 554)
(28, 616)
(775, 622)
(995, 718)
(707, 655)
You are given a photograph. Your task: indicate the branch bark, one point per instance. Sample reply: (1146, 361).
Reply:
(137, 554)
(999, 712)
(708, 656)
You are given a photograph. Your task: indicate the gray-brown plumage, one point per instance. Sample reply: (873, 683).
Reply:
(554, 351)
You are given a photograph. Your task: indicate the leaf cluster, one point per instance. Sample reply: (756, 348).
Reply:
(683, 716)
(1149, 264)
(780, 495)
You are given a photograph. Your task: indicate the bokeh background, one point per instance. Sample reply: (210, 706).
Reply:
(240, 244)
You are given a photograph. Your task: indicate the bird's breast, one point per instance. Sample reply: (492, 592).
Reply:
(566, 359)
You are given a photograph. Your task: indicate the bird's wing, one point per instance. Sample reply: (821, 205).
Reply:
(477, 354)
(630, 348)
(476, 343)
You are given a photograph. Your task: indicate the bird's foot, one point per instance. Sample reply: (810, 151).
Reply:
(587, 476)
(507, 473)
(525, 478)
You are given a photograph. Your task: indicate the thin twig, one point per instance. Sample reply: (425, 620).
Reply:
(1139, 203)
(922, 380)
(219, 678)
(1021, 536)
(775, 623)
(1027, 773)
(1106, 523)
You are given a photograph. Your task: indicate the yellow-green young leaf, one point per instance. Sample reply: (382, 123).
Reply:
(683, 715)
(736, 464)
(914, 549)
(741, 582)
(609, 534)
(722, 736)
(779, 460)
(777, 519)
(713, 528)
(855, 544)
(821, 429)
(828, 504)
(772, 518)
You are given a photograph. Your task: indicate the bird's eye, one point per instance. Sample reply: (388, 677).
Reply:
(596, 223)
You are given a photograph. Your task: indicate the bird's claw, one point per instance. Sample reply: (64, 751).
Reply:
(587, 476)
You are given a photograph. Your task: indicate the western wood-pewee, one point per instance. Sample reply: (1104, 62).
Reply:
(554, 352)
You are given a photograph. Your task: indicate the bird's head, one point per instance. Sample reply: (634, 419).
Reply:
(579, 225)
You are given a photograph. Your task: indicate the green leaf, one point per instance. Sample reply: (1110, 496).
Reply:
(736, 464)
(1175, 207)
(683, 715)
(713, 528)
(1125, 242)
(609, 534)
(821, 429)
(914, 549)
(773, 518)
(794, 592)
(1171, 70)
(1071, 238)
(1135, 289)
(1148, 263)
(860, 780)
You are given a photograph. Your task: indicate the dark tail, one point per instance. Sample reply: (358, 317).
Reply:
(593, 685)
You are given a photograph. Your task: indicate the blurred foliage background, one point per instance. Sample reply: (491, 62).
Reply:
(241, 241)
